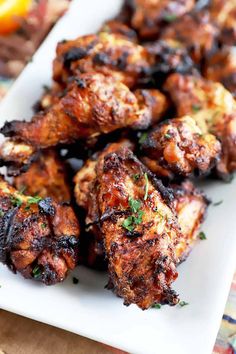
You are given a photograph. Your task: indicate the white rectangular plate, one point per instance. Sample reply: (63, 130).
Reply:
(87, 308)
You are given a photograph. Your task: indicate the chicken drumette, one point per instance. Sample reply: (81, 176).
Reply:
(214, 110)
(178, 147)
(39, 237)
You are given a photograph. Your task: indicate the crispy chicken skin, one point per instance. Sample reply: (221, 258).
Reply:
(190, 205)
(221, 67)
(117, 27)
(46, 177)
(109, 54)
(147, 16)
(17, 155)
(140, 230)
(178, 147)
(224, 14)
(214, 110)
(195, 32)
(38, 238)
(93, 104)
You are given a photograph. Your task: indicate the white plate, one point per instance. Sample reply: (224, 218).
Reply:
(87, 308)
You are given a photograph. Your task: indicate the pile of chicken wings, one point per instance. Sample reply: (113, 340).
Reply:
(102, 175)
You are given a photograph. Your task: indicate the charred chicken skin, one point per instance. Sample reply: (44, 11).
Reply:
(148, 16)
(46, 177)
(93, 104)
(39, 237)
(140, 230)
(214, 110)
(109, 54)
(179, 148)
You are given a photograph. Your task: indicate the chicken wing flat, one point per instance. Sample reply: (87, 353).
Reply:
(221, 67)
(39, 237)
(224, 14)
(148, 16)
(46, 177)
(190, 205)
(195, 32)
(109, 54)
(140, 230)
(212, 107)
(179, 148)
(93, 104)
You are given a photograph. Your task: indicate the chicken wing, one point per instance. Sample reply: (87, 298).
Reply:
(39, 237)
(148, 16)
(178, 148)
(46, 177)
(195, 32)
(93, 104)
(117, 27)
(140, 230)
(214, 110)
(109, 54)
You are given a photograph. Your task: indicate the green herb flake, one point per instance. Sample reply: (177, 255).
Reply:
(27, 208)
(75, 280)
(146, 186)
(34, 200)
(217, 203)
(136, 176)
(196, 108)
(15, 201)
(170, 18)
(143, 137)
(1, 213)
(43, 225)
(156, 306)
(135, 204)
(128, 224)
(22, 190)
(167, 136)
(183, 303)
(202, 236)
(36, 272)
(139, 218)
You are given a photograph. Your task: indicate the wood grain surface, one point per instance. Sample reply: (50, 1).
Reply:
(19, 335)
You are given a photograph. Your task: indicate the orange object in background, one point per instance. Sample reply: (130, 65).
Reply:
(10, 12)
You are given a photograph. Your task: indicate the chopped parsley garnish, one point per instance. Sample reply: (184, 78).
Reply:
(183, 303)
(136, 176)
(143, 137)
(36, 272)
(146, 186)
(217, 203)
(134, 205)
(170, 17)
(27, 207)
(167, 136)
(128, 223)
(136, 218)
(156, 306)
(1, 213)
(34, 200)
(202, 236)
(15, 201)
(75, 280)
(196, 108)
(43, 225)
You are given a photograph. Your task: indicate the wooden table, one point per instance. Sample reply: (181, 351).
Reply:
(19, 335)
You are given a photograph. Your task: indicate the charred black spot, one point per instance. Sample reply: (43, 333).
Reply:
(9, 128)
(46, 207)
(6, 224)
(101, 59)
(74, 54)
(80, 83)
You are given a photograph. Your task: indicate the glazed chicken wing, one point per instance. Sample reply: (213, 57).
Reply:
(140, 230)
(94, 104)
(39, 237)
(179, 148)
(109, 54)
(195, 32)
(148, 16)
(214, 110)
(46, 177)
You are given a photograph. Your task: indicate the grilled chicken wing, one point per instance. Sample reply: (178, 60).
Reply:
(148, 16)
(195, 32)
(94, 104)
(117, 27)
(39, 237)
(224, 14)
(221, 67)
(214, 110)
(190, 205)
(178, 147)
(46, 177)
(140, 230)
(109, 54)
